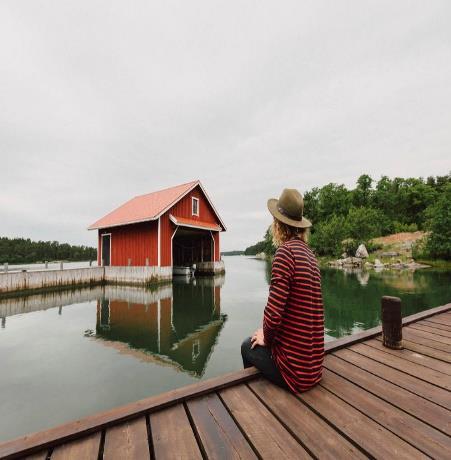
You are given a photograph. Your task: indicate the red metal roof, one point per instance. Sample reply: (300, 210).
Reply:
(144, 207)
(184, 222)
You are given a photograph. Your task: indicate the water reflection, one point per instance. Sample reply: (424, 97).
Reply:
(176, 325)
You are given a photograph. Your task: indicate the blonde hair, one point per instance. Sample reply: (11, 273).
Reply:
(282, 232)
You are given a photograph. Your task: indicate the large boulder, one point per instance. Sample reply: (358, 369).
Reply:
(361, 252)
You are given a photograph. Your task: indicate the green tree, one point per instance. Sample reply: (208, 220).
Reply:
(361, 195)
(364, 223)
(328, 236)
(439, 242)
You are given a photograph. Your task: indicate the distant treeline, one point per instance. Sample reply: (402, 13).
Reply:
(343, 218)
(232, 253)
(21, 250)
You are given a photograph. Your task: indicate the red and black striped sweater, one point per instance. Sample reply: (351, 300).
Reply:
(293, 321)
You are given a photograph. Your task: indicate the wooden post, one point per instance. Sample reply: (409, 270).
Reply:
(391, 322)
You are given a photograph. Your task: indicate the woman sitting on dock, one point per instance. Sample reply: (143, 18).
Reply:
(289, 349)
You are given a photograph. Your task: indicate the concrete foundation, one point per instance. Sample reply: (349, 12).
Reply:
(51, 279)
(210, 268)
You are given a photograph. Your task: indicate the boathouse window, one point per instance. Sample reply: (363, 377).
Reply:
(195, 206)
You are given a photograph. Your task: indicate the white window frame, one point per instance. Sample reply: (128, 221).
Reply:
(193, 199)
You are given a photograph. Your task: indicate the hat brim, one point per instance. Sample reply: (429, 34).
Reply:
(273, 209)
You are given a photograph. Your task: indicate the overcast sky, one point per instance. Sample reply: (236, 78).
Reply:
(104, 100)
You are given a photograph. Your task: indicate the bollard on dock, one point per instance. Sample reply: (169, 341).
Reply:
(391, 322)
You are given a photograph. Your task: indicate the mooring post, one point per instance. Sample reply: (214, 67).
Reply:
(391, 322)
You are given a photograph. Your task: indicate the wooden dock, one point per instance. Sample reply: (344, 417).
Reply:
(373, 402)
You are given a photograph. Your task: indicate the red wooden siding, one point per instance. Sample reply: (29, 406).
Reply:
(217, 248)
(183, 208)
(136, 242)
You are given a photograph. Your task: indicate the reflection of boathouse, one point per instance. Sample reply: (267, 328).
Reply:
(176, 325)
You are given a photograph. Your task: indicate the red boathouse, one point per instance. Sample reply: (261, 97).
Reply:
(177, 226)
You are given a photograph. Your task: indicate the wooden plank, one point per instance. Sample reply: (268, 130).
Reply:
(376, 440)
(425, 350)
(410, 334)
(219, 434)
(86, 448)
(319, 438)
(172, 435)
(425, 438)
(38, 456)
(426, 314)
(128, 440)
(428, 322)
(430, 335)
(267, 435)
(414, 385)
(38, 441)
(413, 357)
(431, 329)
(439, 320)
(416, 370)
(434, 415)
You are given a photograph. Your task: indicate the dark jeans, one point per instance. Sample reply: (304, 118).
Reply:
(260, 357)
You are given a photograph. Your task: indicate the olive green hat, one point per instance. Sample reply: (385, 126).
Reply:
(289, 208)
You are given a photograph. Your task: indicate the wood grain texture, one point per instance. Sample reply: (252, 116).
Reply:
(219, 434)
(127, 441)
(172, 435)
(437, 325)
(371, 436)
(86, 448)
(425, 350)
(267, 435)
(416, 370)
(79, 428)
(38, 456)
(434, 415)
(431, 329)
(411, 335)
(319, 438)
(413, 357)
(414, 385)
(431, 336)
(424, 437)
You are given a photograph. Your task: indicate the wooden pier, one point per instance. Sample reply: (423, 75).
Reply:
(373, 402)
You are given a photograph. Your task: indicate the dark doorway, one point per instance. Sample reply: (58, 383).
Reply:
(191, 246)
(106, 250)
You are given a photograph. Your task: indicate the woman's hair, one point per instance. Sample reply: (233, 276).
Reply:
(282, 232)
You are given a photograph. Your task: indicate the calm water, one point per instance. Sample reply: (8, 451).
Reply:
(69, 354)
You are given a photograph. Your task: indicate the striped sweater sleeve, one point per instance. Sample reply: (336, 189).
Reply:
(279, 289)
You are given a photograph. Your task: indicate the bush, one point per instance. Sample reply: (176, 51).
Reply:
(400, 228)
(438, 244)
(327, 236)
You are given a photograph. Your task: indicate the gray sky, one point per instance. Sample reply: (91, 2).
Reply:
(104, 100)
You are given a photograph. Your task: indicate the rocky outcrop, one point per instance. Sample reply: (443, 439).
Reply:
(361, 252)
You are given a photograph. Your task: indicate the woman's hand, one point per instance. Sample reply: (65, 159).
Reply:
(258, 338)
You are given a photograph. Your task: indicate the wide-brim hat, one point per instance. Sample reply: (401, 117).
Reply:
(289, 208)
